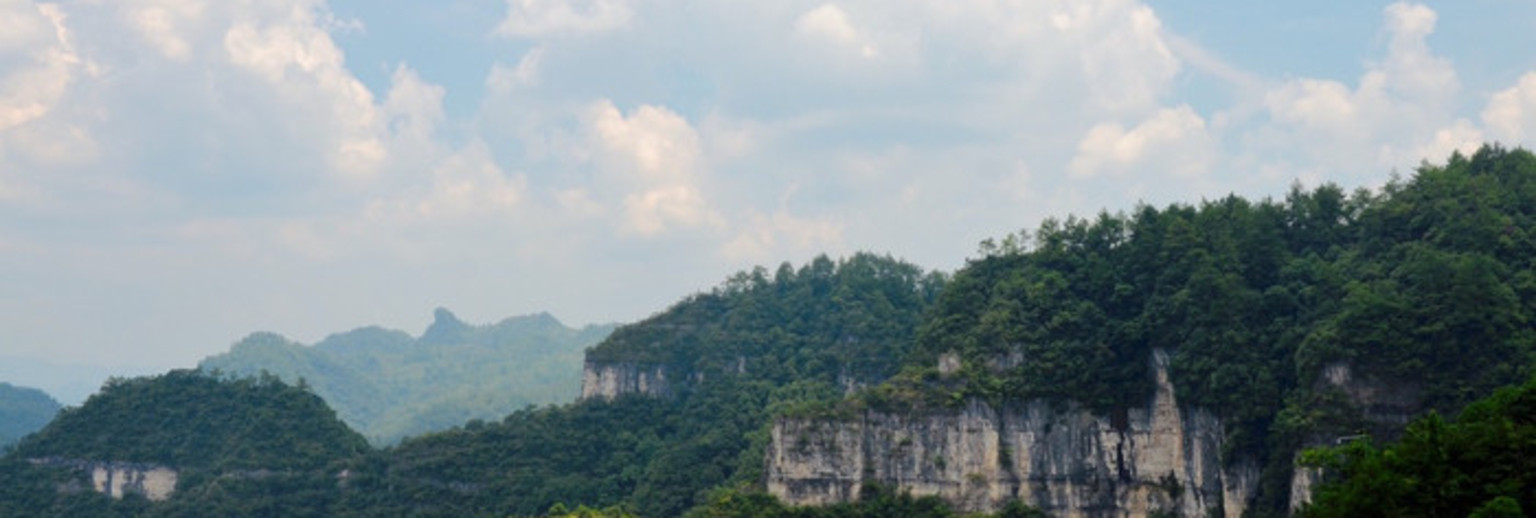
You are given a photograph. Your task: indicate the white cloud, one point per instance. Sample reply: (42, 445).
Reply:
(654, 143)
(414, 108)
(298, 59)
(1173, 140)
(161, 23)
(1511, 113)
(1127, 63)
(502, 79)
(43, 58)
(537, 18)
(653, 156)
(1391, 116)
(766, 238)
(1460, 136)
(657, 209)
(829, 23)
(470, 184)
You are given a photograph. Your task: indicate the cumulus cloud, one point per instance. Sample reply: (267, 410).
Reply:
(654, 156)
(1127, 62)
(829, 23)
(1401, 106)
(537, 18)
(502, 79)
(1172, 140)
(1511, 113)
(653, 142)
(298, 58)
(162, 22)
(42, 60)
(467, 184)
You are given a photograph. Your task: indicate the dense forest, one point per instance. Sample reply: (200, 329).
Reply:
(388, 385)
(23, 410)
(1423, 288)
(243, 447)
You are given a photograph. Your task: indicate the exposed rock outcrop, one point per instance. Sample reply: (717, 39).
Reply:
(609, 380)
(117, 479)
(1062, 459)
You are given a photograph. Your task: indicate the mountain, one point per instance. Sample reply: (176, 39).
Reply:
(22, 411)
(1178, 360)
(388, 385)
(721, 363)
(221, 447)
(1190, 360)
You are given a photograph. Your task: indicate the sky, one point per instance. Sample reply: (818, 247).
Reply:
(175, 174)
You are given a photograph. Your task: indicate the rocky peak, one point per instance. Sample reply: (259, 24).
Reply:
(445, 329)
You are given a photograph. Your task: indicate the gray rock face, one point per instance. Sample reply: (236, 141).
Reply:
(116, 479)
(609, 380)
(1066, 461)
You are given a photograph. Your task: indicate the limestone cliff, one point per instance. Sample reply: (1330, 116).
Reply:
(1064, 460)
(609, 380)
(117, 479)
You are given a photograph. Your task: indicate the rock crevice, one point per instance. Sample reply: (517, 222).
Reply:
(1068, 461)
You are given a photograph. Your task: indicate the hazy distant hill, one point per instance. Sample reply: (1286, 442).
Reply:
(388, 385)
(22, 411)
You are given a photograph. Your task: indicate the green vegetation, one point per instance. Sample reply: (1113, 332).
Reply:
(1482, 465)
(757, 345)
(389, 385)
(1426, 287)
(22, 411)
(191, 420)
(1423, 293)
(247, 447)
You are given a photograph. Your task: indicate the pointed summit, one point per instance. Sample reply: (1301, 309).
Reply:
(445, 329)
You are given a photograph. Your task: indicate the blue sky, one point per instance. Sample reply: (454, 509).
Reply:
(175, 174)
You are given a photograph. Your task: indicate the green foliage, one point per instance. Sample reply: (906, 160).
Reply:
(838, 322)
(22, 411)
(1425, 287)
(388, 385)
(1483, 464)
(190, 420)
(1425, 290)
(754, 346)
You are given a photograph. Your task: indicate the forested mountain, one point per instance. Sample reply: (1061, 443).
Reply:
(22, 411)
(762, 342)
(388, 385)
(1422, 293)
(247, 447)
(1289, 323)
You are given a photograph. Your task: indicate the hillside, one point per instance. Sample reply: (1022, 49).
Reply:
(1482, 464)
(1171, 361)
(203, 446)
(758, 344)
(388, 385)
(190, 420)
(1278, 324)
(22, 411)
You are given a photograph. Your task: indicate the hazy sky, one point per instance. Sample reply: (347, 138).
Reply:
(177, 173)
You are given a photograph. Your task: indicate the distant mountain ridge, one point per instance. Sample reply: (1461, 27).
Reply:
(388, 385)
(23, 410)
